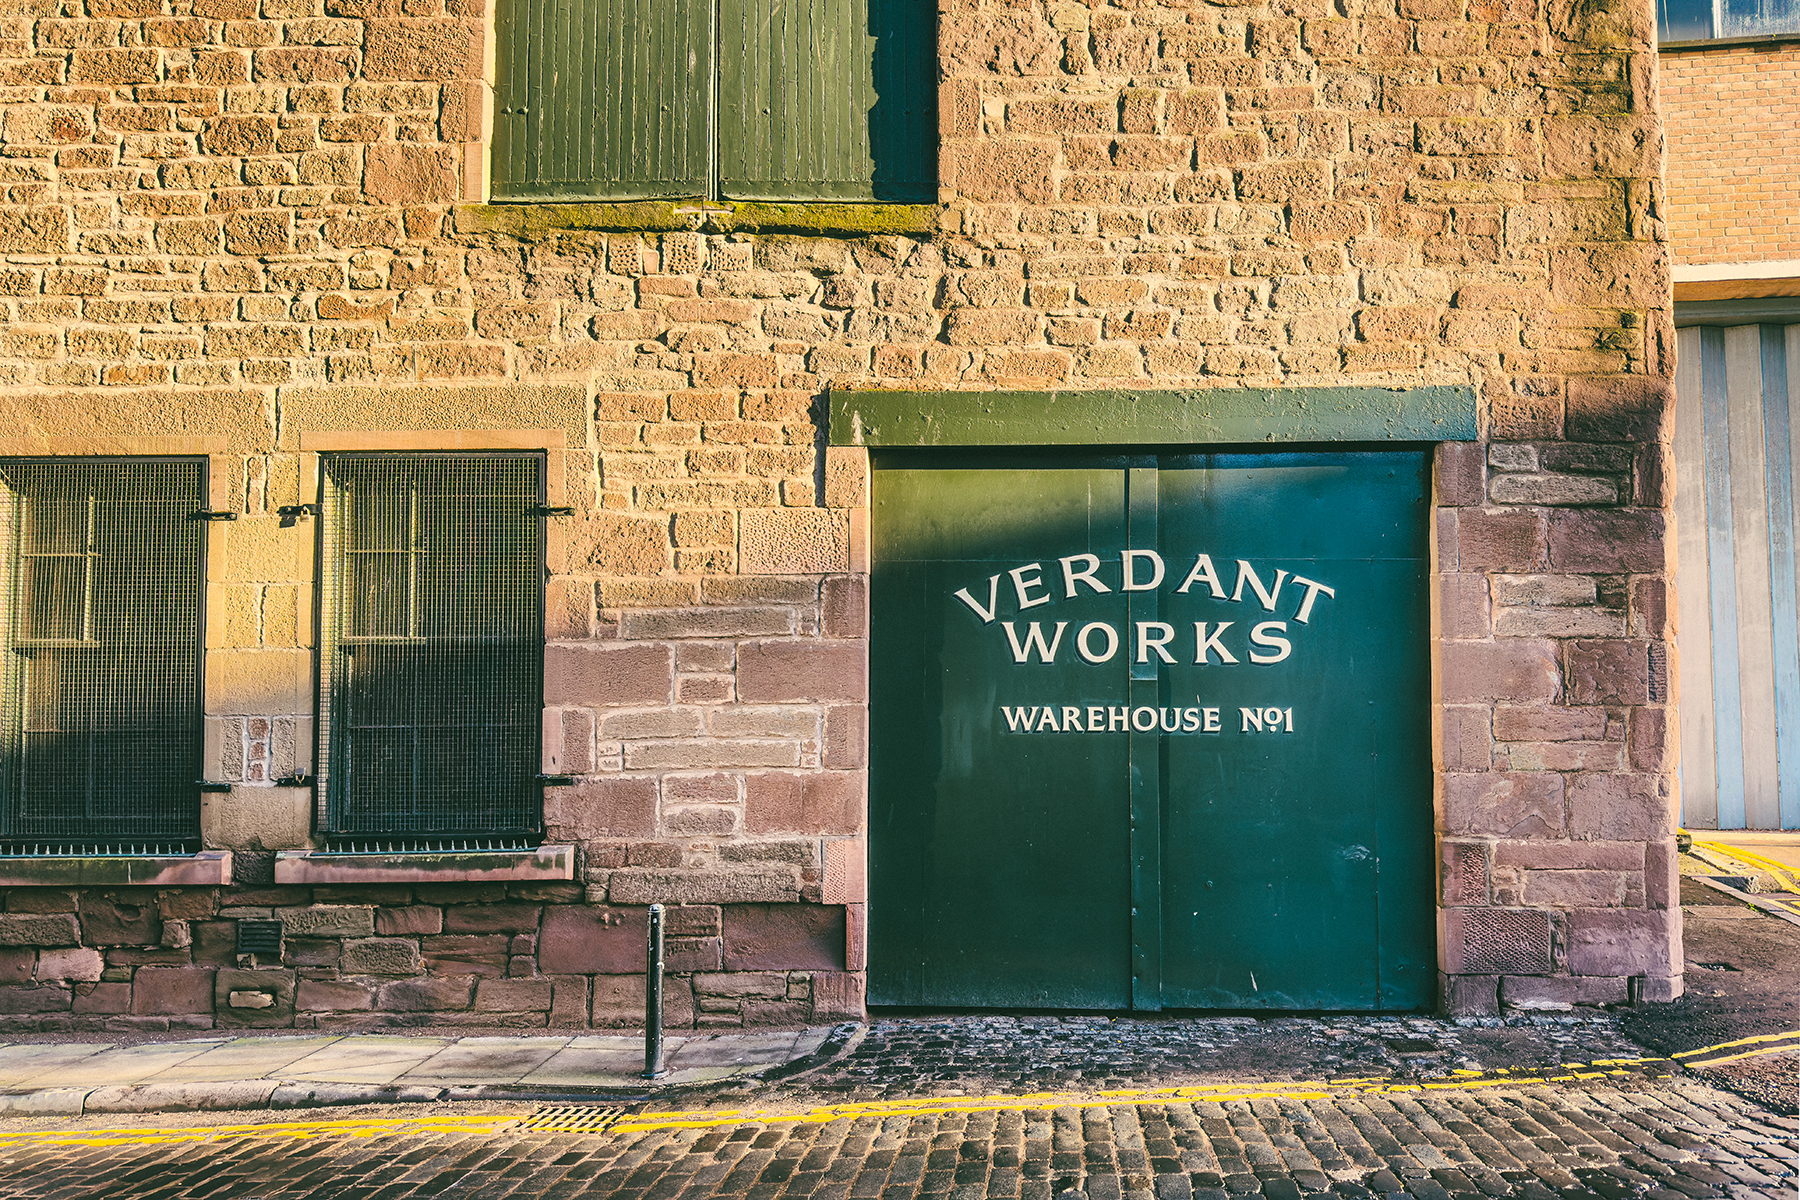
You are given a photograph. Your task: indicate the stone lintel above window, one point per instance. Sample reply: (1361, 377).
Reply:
(209, 868)
(540, 864)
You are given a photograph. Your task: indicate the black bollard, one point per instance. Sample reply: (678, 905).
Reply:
(653, 995)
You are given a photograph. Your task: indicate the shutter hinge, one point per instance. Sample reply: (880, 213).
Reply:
(297, 779)
(211, 515)
(214, 785)
(546, 510)
(556, 780)
(292, 511)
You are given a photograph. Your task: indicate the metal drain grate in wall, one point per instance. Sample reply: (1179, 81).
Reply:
(572, 1118)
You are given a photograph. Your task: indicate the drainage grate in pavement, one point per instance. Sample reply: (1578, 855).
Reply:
(572, 1118)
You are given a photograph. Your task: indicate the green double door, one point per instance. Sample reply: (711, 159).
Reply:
(1151, 732)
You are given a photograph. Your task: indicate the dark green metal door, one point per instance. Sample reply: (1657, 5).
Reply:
(1151, 732)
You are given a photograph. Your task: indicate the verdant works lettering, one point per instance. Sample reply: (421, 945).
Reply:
(1263, 643)
(1098, 642)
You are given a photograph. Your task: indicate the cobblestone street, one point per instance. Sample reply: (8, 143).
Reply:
(1171, 1112)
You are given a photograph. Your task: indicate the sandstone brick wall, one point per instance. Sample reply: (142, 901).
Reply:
(234, 227)
(1733, 117)
(488, 955)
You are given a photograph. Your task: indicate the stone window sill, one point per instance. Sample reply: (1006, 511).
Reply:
(209, 868)
(530, 219)
(545, 864)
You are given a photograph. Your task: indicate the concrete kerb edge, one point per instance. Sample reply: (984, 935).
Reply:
(839, 1042)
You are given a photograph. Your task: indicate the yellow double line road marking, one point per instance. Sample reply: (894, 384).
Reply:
(1219, 1093)
(1791, 1040)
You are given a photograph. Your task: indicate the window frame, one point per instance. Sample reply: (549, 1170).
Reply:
(332, 813)
(13, 712)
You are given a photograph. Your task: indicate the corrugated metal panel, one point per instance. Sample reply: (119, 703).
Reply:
(1735, 460)
(827, 100)
(604, 99)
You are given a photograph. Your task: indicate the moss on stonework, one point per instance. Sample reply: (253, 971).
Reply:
(537, 220)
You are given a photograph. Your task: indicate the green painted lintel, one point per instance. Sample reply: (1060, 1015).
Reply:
(538, 219)
(1437, 413)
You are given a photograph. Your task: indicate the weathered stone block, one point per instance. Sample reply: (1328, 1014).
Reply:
(825, 802)
(408, 921)
(403, 173)
(601, 674)
(381, 956)
(1621, 408)
(1551, 590)
(77, 964)
(1516, 669)
(254, 999)
(602, 808)
(422, 50)
(773, 672)
(466, 954)
(38, 929)
(746, 884)
(838, 996)
(1624, 942)
(44, 999)
(327, 921)
(1504, 804)
(102, 999)
(779, 937)
(1471, 995)
(1621, 807)
(172, 991)
(1585, 889)
(17, 964)
(427, 995)
(1560, 992)
(321, 995)
(793, 541)
(513, 995)
(1508, 540)
(491, 918)
(1608, 540)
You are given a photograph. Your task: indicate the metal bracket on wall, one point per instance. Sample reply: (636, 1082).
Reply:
(295, 511)
(556, 780)
(214, 785)
(211, 515)
(297, 779)
(546, 510)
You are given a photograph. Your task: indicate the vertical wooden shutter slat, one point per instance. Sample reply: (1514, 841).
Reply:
(604, 99)
(827, 100)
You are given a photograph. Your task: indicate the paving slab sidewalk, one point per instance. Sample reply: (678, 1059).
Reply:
(308, 1071)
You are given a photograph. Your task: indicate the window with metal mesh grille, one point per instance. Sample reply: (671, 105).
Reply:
(103, 574)
(431, 664)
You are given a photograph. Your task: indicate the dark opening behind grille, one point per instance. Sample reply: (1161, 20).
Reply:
(259, 937)
(102, 627)
(432, 687)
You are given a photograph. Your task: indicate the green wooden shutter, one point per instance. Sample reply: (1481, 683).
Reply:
(827, 100)
(603, 99)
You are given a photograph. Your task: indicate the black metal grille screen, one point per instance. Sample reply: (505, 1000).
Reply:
(104, 569)
(432, 663)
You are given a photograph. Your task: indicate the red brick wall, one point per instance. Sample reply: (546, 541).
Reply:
(1733, 122)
